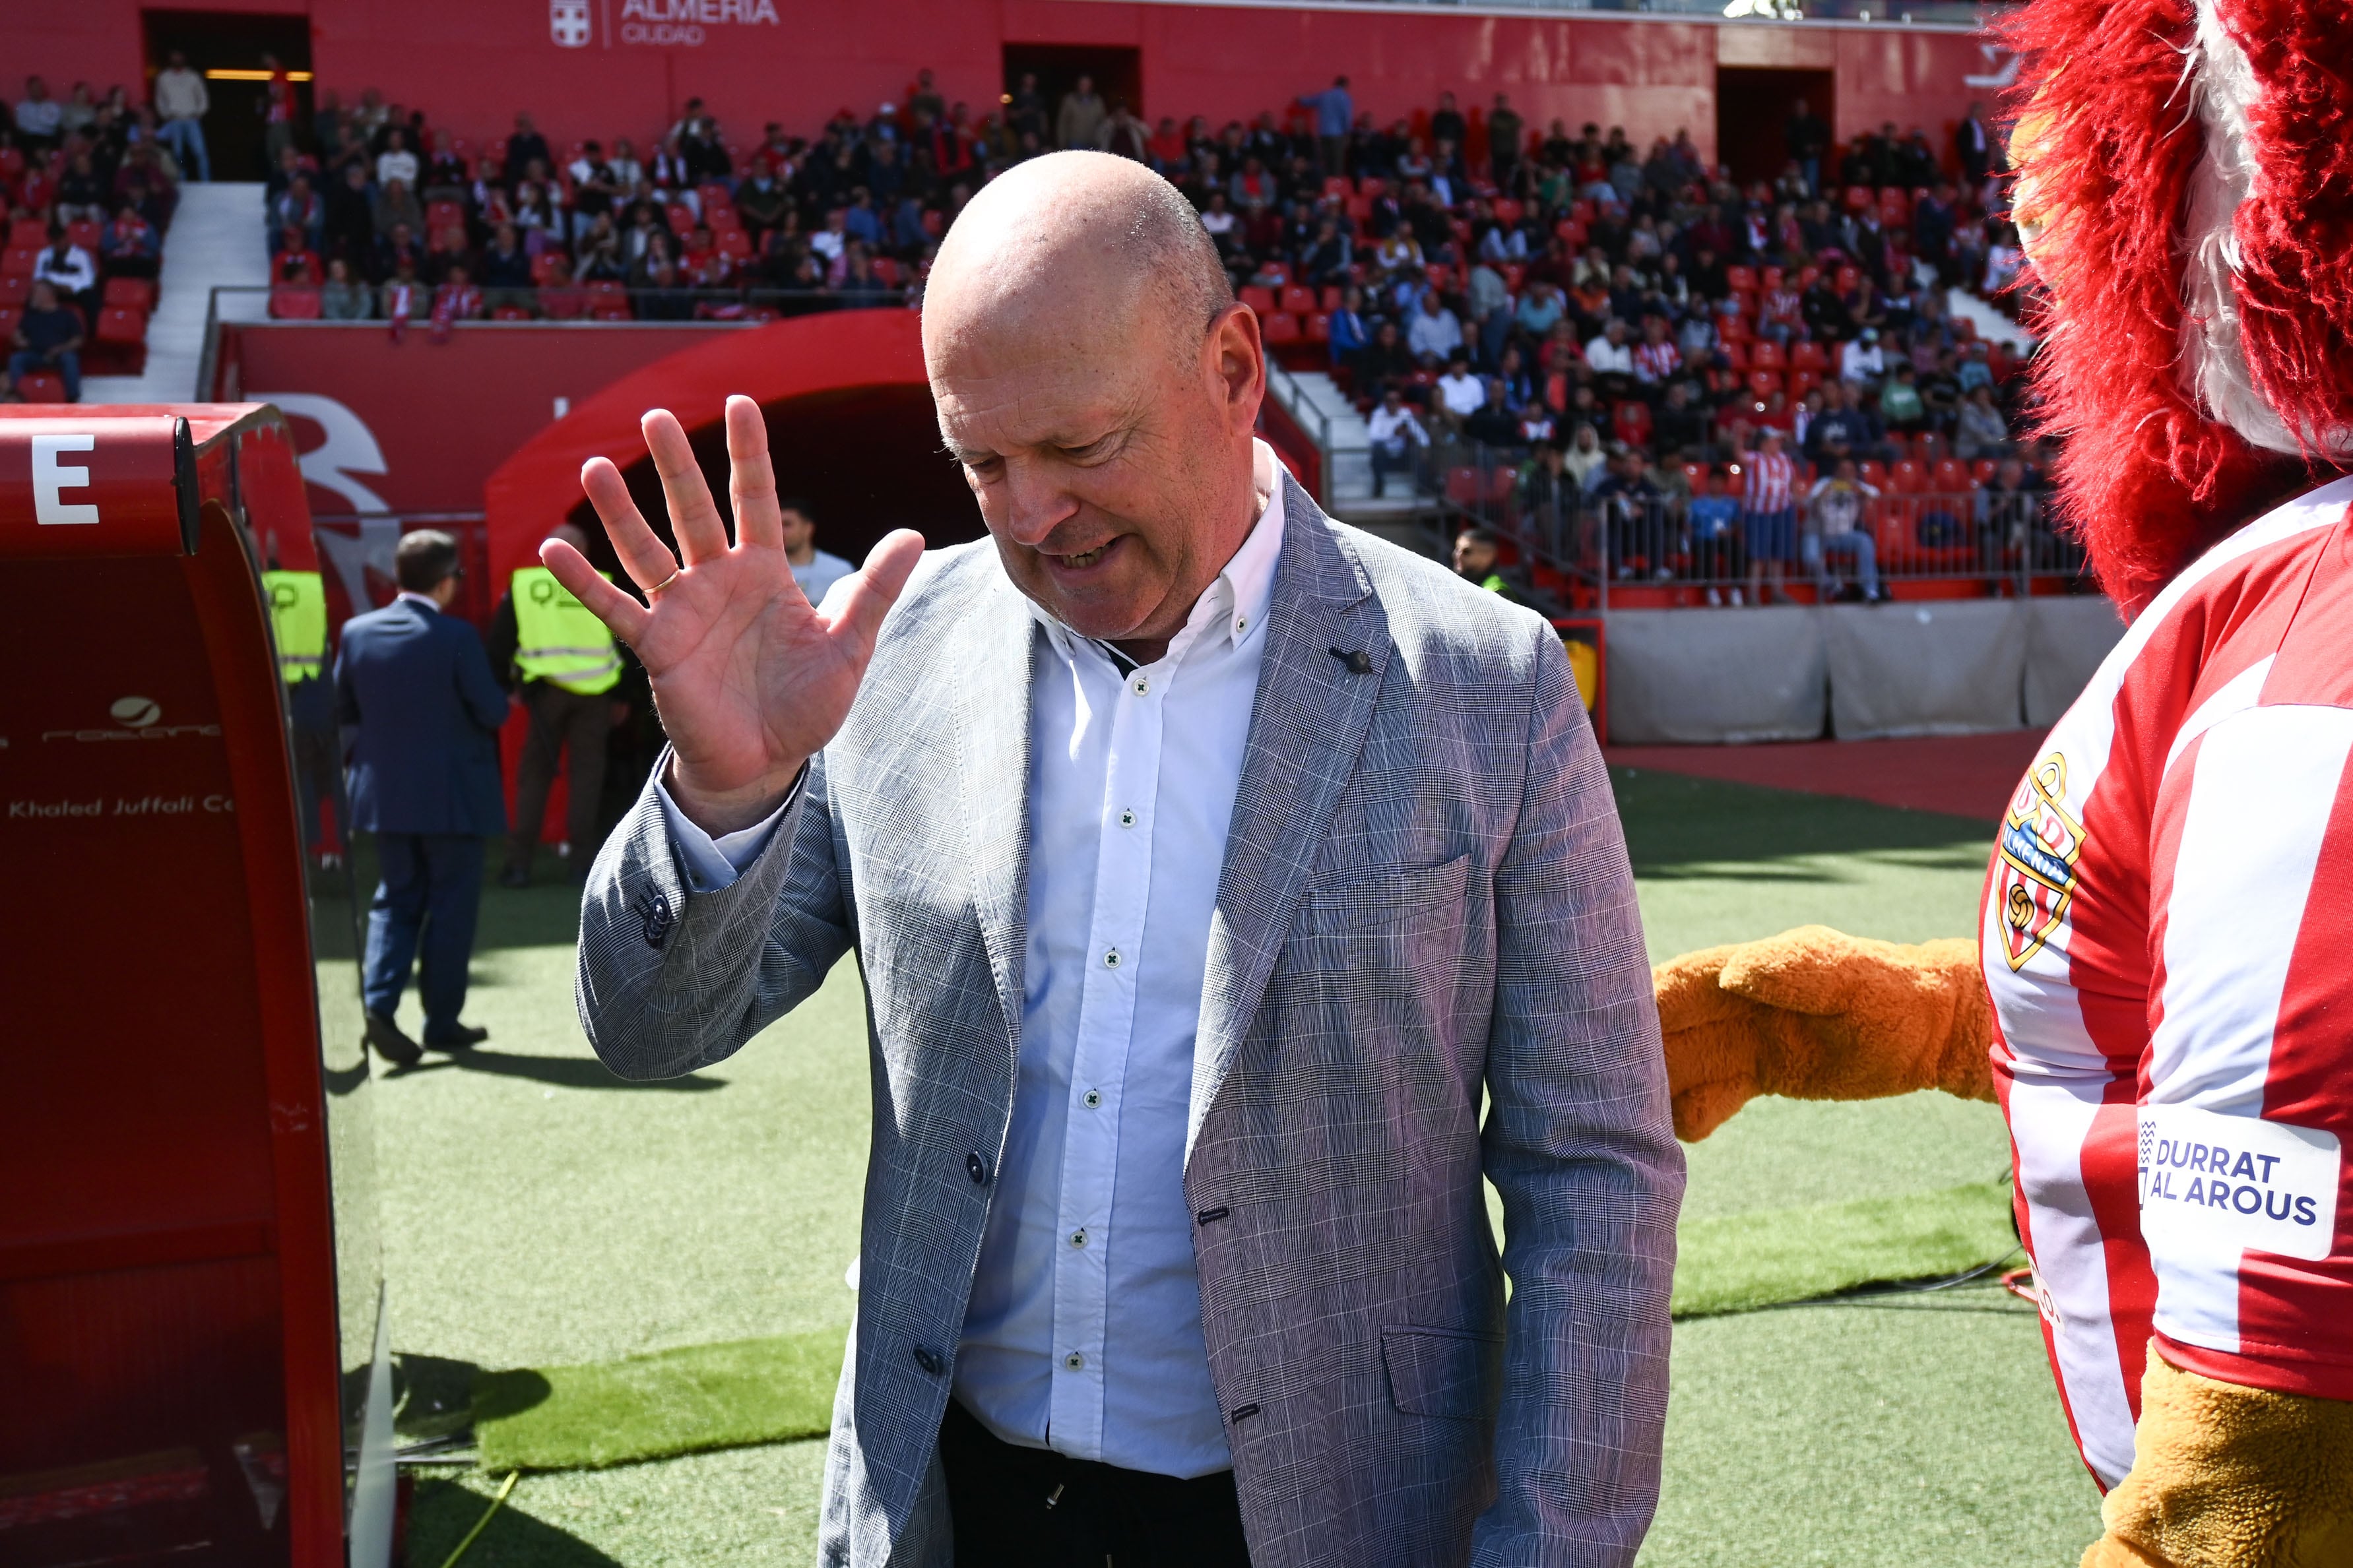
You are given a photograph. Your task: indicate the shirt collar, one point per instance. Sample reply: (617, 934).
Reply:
(422, 601)
(1235, 605)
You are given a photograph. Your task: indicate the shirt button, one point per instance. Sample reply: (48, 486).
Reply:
(1242, 624)
(1142, 684)
(1092, 1098)
(1078, 1238)
(1127, 819)
(1074, 1361)
(1111, 959)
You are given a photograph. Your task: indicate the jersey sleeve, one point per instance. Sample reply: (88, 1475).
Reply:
(2247, 1094)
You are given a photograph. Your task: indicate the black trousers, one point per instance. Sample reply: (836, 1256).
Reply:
(1029, 1508)
(561, 723)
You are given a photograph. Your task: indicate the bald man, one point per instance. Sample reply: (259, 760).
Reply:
(1207, 863)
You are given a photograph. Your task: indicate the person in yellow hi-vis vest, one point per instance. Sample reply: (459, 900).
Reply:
(561, 664)
(298, 626)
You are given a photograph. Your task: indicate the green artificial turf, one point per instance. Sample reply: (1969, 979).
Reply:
(540, 1213)
(1763, 1258)
(649, 1406)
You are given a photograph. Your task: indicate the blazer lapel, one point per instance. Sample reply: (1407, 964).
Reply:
(1307, 728)
(989, 653)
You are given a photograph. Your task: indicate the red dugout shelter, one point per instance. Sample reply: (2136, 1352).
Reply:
(191, 1310)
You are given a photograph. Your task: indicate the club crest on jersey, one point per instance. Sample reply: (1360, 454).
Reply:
(2040, 845)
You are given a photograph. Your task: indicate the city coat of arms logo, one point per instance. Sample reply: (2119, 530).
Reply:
(2036, 874)
(569, 22)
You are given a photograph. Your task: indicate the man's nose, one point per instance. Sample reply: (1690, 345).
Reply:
(1036, 503)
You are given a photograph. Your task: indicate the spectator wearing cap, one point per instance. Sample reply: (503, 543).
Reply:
(1835, 528)
(1860, 362)
(1769, 513)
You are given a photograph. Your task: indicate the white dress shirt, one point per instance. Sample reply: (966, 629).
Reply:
(1083, 1333)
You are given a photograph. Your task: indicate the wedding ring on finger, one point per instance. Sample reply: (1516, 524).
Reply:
(663, 584)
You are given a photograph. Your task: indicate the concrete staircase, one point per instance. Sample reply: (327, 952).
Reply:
(216, 240)
(1329, 418)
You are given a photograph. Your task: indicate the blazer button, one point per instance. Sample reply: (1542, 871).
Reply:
(929, 1359)
(977, 1169)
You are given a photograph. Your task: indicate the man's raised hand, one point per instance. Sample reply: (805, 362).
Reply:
(750, 679)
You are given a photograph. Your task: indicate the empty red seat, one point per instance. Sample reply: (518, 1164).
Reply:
(9, 316)
(1873, 474)
(1507, 211)
(1463, 486)
(132, 293)
(1802, 382)
(41, 387)
(735, 245)
(1768, 278)
(87, 232)
(1337, 185)
(545, 265)
(1282, 327)
(15, 288)
(723, 218)
(617, 312)
(1849, 280)
(1904, 475)
(444, 215)
(1858, 198)
(511, 313)
(1259, 299)
(18, 262)
(1808, 354)
(682, 220)
(1332, 299)
(1981, 471)
(1736, 355)
(1371, 185)
(120, 324)
(1764, 383)
(295, 302)
(1298, 301)
(1740, 279)
(1950, 475)
(1319, 328)
(28, 233)
(1767, 354)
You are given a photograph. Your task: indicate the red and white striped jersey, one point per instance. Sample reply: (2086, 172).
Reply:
(1768, 480)
(2167, 937)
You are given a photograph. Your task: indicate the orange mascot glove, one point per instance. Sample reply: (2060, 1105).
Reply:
(2228, 1477)
(1815, 1015)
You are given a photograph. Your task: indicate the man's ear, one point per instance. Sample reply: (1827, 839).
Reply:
(1238, 359)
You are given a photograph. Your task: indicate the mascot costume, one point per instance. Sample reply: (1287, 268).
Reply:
(2160, 992)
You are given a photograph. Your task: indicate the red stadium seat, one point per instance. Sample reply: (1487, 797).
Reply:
(1858, 198)
(1319, 328)
(15, 288)
(445, 215)
(1360, 210)
(1802, 382)
(614, 312)
(1904, 476)
(714, 195)
(545, 265)
(1259, 299)
(1333, 299)
(1740, 279)
(735, 245)
(1768, 278)
(511, 313)
(1981, 471)
(295, 302)
(1580, 211)
(1735, 356)
(1337, 187)
(1734, 329)
(28, 233)
(9, 317)
(120, 324)
(1949, 476)
(1298, 301)
(1873, 473)
(722, 219)
(682, 220)
(1464, 487)
(563, 303)
(1849, 280)
(1571, 233)
(18, 263)
(87, 233)
(1764, 383)
(1809, 276)
(132, 293)
(41, 387)
(1282, 327)
(1767, 354)
(12, 163)
(1508, 212)
(1371, 185)
(1808, 354)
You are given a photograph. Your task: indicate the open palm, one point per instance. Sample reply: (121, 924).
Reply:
(751, 681)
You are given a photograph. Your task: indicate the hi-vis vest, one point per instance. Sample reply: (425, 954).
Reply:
(298, 623)
(559, 640)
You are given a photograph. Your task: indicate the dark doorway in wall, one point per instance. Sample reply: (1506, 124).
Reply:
(1752, 115)
(1118, 74)
(233, 42)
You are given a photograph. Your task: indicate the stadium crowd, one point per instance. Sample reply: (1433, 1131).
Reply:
(1604, 347)
(89, 185)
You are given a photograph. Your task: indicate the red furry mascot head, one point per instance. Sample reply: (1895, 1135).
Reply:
(2186, 181)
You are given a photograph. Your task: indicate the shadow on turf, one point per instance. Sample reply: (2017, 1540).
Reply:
(1675, 825)
(557, 1072)
(442, 1511)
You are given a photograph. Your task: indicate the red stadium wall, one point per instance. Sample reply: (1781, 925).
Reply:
(418, 425)
(471, 66)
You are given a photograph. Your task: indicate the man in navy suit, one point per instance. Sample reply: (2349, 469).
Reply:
(420, 714)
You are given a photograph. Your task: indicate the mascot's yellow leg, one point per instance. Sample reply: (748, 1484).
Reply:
(1815, 1015)
(2228, 1477)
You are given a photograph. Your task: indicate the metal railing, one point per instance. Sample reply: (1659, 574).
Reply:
(1575, 548)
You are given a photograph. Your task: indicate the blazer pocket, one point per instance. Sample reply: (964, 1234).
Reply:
(1378, 895)
(1442, 1371)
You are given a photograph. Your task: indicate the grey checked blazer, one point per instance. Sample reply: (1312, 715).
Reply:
(1425, 895)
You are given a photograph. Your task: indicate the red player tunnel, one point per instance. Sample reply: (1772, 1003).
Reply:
(191, 1329)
